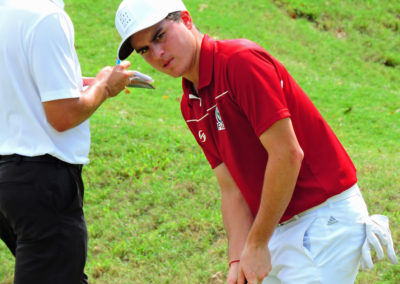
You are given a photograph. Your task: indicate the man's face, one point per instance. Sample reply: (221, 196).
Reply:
(168, 46)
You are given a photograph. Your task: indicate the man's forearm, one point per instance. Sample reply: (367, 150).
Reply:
(237, 215)
(279, 182)
(238, 220)
(68, 113)
(285, 157)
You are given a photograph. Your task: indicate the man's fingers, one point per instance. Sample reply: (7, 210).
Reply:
(124, 64)
(241, 278)
(252, 281)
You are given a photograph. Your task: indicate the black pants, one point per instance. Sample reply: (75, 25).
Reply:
(42, 221)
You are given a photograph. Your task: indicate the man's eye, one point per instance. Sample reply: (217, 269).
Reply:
(142, 50)
(160, 36)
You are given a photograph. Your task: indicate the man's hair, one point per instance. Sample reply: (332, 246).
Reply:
(174, 16)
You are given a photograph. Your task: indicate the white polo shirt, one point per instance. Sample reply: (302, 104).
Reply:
(38, 64)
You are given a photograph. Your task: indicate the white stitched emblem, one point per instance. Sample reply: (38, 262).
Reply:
(220, 123)
(202, 136)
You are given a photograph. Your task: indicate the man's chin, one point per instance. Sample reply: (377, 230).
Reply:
(174, 74)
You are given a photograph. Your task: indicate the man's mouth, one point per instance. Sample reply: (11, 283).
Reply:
(167, 63)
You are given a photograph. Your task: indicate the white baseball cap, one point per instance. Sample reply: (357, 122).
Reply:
(135, 15)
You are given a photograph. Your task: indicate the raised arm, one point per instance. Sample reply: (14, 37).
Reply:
(67, 113)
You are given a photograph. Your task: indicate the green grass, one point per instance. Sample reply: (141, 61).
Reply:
(152, 202)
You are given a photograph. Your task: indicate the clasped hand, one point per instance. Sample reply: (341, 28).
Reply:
(254, 266)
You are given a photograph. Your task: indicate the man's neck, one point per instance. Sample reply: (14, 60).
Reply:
(194, 75)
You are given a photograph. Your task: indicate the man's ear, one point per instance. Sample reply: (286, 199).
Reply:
(187, 19)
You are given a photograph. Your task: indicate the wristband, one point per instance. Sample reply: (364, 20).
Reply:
(233, 261)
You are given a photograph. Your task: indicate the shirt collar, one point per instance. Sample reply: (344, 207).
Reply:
(206, 66)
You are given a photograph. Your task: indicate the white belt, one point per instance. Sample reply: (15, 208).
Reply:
(352, 191)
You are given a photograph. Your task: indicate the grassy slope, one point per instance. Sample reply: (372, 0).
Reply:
(152, 203)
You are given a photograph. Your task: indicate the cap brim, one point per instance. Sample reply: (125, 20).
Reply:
(125, 49)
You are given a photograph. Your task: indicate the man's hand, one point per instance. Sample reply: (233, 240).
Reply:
(114, 78)
(255, 264)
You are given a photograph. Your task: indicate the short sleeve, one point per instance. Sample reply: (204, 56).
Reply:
(53, 60)
(257, 88)
(212, 160)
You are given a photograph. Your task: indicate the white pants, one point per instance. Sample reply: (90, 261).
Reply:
(321, 245)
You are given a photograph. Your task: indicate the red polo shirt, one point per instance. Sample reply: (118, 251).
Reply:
(243, 91)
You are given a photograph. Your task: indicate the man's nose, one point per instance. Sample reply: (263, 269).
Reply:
(158, 51)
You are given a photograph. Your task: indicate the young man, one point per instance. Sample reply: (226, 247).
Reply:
(45, 139)
(290, 202)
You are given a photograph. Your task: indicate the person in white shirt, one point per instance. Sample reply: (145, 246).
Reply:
(45, 139)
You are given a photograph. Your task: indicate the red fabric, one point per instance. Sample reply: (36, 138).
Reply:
(251, 91)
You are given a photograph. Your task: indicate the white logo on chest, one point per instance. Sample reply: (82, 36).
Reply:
(220, 123)
(202, 136)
